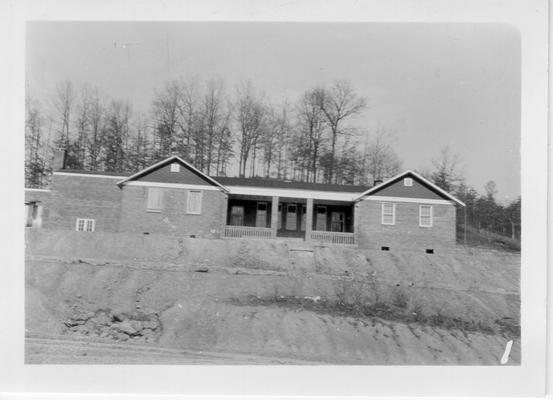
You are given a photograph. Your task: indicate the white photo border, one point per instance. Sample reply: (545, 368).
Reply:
(528, 379)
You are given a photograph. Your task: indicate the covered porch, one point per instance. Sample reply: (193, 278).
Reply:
(313, 220)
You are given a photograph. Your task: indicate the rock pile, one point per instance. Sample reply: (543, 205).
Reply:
(138, 327)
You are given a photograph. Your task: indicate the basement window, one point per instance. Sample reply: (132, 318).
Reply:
(85, 225)
(385, 248)
(429, 251)
(175, 167)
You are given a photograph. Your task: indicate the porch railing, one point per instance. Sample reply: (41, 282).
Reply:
(333, 237)
(233, 231)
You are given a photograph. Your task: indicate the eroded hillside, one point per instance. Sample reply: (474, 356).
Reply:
(284, 302)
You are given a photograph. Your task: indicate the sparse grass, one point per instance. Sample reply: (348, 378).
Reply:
(399, 312)
(483, 238)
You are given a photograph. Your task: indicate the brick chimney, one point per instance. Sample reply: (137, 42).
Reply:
(60, 159)
(377, 182)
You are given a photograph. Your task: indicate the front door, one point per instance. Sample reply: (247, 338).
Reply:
(291, 217)
(321, 219)
(261, 216)
(338, 220)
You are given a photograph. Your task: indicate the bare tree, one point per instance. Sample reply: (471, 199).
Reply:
(339, 103)
(250, 117)
(63, 104)
(224, 140)
(83, 110)
(188, 114)
(379, 158)
(96, 122)
(166, 119)
(282, 130)
(446, 170)
(213, 121)
(116, 135)
(35, 160)
(311, 130)
(139, 150)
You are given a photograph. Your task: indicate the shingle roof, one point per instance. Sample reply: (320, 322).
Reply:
(85, 172)
(282, 184)
(249, 182)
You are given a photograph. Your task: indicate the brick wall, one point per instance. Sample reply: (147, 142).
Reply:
(75, 197)
(172, 219)
(406, 234)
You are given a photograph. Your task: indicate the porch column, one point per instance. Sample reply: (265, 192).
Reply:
(225, 214)
(274, 216)
(355, 217)
(308, 219)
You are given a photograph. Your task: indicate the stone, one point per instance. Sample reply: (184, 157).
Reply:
(150, 324)
(126, 327)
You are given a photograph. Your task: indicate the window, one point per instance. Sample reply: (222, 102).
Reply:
(155, 200)
(408, 182)
(388, 213)
(237, 215)
(194, 203)
(85, 225)
(175, 167)
(425, 215)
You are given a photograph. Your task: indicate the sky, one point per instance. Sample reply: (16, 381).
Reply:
(432, 85)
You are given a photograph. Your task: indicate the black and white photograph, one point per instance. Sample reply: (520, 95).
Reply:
(274, 193)
(297, 193)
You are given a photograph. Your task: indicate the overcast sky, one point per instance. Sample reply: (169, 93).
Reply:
(434, 85)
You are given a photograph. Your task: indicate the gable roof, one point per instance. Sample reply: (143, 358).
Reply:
(166, 161)
(286, 184)
(422, 179)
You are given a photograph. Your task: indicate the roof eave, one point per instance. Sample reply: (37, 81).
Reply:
(167, 160)
(432, 185)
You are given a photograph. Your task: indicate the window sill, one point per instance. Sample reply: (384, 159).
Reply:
(154, 211)
(193, 213)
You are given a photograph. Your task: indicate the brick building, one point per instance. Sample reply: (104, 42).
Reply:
(174, 198)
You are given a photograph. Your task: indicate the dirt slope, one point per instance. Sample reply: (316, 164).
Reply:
(198, 311)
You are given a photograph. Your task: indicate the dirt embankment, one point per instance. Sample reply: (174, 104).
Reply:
(277, 300)
(268, 299)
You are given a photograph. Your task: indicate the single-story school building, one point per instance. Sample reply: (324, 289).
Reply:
(172, 197)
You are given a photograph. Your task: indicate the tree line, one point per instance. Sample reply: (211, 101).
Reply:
(238, 131)
(482, 212)
(219, 131)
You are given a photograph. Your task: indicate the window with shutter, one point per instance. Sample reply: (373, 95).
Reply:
(194, 203)
(155, 199)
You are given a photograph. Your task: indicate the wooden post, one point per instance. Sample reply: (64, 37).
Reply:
(354, 223)
(308, 219)
(225, 214)
(274, 216)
